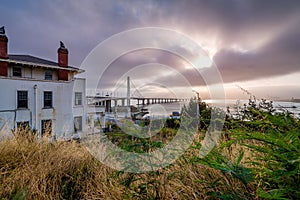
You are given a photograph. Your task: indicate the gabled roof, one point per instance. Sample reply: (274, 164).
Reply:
(37, 62)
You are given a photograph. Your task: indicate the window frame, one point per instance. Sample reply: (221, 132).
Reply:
(19, 72)
(24, 125)
(48, 75)
(79, 126)
(48, 100)
(45, 127)
(21, 104)
(78, 102)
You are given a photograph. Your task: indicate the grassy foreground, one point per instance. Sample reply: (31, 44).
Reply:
(255, 159)
(65, 170)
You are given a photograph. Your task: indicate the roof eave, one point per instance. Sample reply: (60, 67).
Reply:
(41, 65)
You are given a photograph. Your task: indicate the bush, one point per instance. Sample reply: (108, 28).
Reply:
(272, 145)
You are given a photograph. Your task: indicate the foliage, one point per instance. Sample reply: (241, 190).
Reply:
(257, 157)
(272, 143)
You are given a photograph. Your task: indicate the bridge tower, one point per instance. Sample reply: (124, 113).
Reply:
(128, 114)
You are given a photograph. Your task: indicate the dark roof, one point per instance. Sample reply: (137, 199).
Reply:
(29, 58)
(36, 60)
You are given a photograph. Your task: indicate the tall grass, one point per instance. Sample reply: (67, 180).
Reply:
(37, 169)
(32, 168)
(255, 159)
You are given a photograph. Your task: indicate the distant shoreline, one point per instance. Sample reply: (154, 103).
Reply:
(290, 100)
(277, 100)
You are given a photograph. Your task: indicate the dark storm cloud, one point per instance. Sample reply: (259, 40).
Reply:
(36, 27)
(159, 59)
(279, 56)
(251, 39)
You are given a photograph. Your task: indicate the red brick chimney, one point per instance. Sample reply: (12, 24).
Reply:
(62, 55)
(63, 62)
(3, 52)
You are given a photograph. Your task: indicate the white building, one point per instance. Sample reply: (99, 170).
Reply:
(42, 94)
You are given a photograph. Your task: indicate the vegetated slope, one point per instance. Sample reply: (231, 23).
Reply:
(257, 157)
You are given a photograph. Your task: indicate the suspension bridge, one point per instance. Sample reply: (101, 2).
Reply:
(108, 101)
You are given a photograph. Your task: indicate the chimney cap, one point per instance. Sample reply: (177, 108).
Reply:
(62, 45)
(2, 30)
(62, 48)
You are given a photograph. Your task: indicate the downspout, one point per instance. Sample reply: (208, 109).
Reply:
(35, 107)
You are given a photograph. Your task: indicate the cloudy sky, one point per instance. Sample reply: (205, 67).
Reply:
(253, 43)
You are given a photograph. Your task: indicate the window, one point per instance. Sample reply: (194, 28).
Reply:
(22, 126)
(78, 98)
(47, 99)
(17, 71)
(46, 127)
(48, 75)
(22, 99)
(78, 123)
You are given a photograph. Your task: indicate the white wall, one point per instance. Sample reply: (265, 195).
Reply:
(63, 111)
(80, 110)
(35, 72)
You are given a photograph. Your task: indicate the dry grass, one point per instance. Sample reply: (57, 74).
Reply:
(37, 169)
